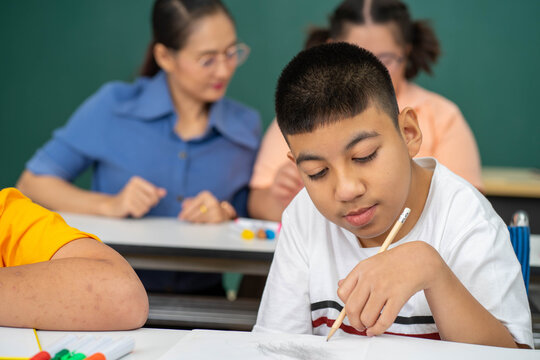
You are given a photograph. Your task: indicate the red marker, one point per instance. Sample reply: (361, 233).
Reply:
(115, 351)
(54, 348)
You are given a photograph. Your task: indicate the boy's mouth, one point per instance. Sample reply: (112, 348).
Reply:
(361, 216)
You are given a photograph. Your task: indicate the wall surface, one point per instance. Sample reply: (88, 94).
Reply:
(56, 53)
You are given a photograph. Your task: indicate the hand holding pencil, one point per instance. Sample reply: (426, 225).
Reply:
(384, 246)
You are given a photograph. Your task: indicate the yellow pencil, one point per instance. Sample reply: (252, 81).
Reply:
(384, 246)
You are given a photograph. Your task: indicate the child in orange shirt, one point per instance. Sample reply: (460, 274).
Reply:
(405, 47)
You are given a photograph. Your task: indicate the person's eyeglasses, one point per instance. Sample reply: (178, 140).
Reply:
(390, 60)
(235, 55)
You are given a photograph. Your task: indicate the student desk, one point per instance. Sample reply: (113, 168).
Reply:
(512, 189)
(160, 243)
(153, 343)
(163, 243)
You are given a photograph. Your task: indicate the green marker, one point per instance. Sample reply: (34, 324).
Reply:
(77, 356)
(90, 348)
(79, 344)
(60, 354)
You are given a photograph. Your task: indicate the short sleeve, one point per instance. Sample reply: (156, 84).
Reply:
(285, 305)
(272, 155)
(74, 146)
(30, 233)
(455, 147)
(486, 264)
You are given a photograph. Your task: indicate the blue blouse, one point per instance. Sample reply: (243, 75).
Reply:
(128, 129)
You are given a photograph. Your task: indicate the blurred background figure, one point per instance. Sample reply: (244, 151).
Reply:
(405, 47)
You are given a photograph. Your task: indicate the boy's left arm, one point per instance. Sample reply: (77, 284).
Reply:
(377, 288)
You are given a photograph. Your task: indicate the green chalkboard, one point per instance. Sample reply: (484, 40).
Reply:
(56, 53)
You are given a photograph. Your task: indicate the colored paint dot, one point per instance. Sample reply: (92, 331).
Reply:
(270, 234)
(247, 234)
(261, 234)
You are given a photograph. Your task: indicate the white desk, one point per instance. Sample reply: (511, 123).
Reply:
(154, 343)
(161, 243)
(168, 244)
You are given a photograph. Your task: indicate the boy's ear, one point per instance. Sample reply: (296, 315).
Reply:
(164, 57)
(410, 130)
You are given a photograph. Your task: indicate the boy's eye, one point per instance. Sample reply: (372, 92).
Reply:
(318, 175)
(367, 158)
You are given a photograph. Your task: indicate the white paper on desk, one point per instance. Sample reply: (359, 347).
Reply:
(210, 345)
(15, 342)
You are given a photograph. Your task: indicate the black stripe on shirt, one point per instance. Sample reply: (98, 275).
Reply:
(402, 320)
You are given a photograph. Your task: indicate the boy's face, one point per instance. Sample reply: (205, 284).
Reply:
(358, 171)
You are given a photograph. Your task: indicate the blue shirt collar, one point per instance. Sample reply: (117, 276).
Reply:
(225, 119)
(154, 102)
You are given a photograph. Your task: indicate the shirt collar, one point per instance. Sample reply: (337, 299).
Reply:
(153, 102)
(229, 120)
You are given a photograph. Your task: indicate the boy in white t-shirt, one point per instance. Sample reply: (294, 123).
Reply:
(450, 273)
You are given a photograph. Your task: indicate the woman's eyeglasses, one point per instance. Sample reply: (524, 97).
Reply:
(390, 60)
(235, 55)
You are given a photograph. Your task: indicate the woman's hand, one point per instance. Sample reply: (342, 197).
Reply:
(136, 198)
(205, 208)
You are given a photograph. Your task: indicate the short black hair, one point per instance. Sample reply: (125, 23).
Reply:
(329, 83)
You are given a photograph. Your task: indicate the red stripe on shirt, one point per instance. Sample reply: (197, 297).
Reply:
(350, 330)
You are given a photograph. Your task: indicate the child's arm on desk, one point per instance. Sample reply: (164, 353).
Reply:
(390, 278)
(85, 286)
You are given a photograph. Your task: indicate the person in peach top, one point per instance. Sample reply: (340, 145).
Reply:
(405, 47)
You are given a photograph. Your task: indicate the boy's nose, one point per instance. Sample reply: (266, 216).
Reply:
(349, 187)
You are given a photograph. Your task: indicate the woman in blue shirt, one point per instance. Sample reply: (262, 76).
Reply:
(168, 144)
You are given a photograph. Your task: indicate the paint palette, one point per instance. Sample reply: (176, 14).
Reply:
(251, 229)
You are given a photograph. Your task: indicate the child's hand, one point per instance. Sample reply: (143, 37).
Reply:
(135, 199)
(205, 208)
(377, 288)
(287, 183)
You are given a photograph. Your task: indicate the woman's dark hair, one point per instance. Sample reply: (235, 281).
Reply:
(172, 23)
(424, 46)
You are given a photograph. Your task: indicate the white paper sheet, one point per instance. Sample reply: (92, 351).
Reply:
(211, 345)
(17, 342)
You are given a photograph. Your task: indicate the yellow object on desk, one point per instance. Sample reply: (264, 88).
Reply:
(511, 182)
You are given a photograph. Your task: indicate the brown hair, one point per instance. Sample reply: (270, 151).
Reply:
(417, 34)
(172, 23)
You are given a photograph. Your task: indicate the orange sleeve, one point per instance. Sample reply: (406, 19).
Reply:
(272, 155)
(30, 233)
(446, 135)
(455, 147)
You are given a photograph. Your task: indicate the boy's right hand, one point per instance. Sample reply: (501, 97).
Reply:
(135, 199)
(287, 183)
(377, 288)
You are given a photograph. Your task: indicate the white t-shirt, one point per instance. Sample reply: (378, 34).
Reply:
(313, 254)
